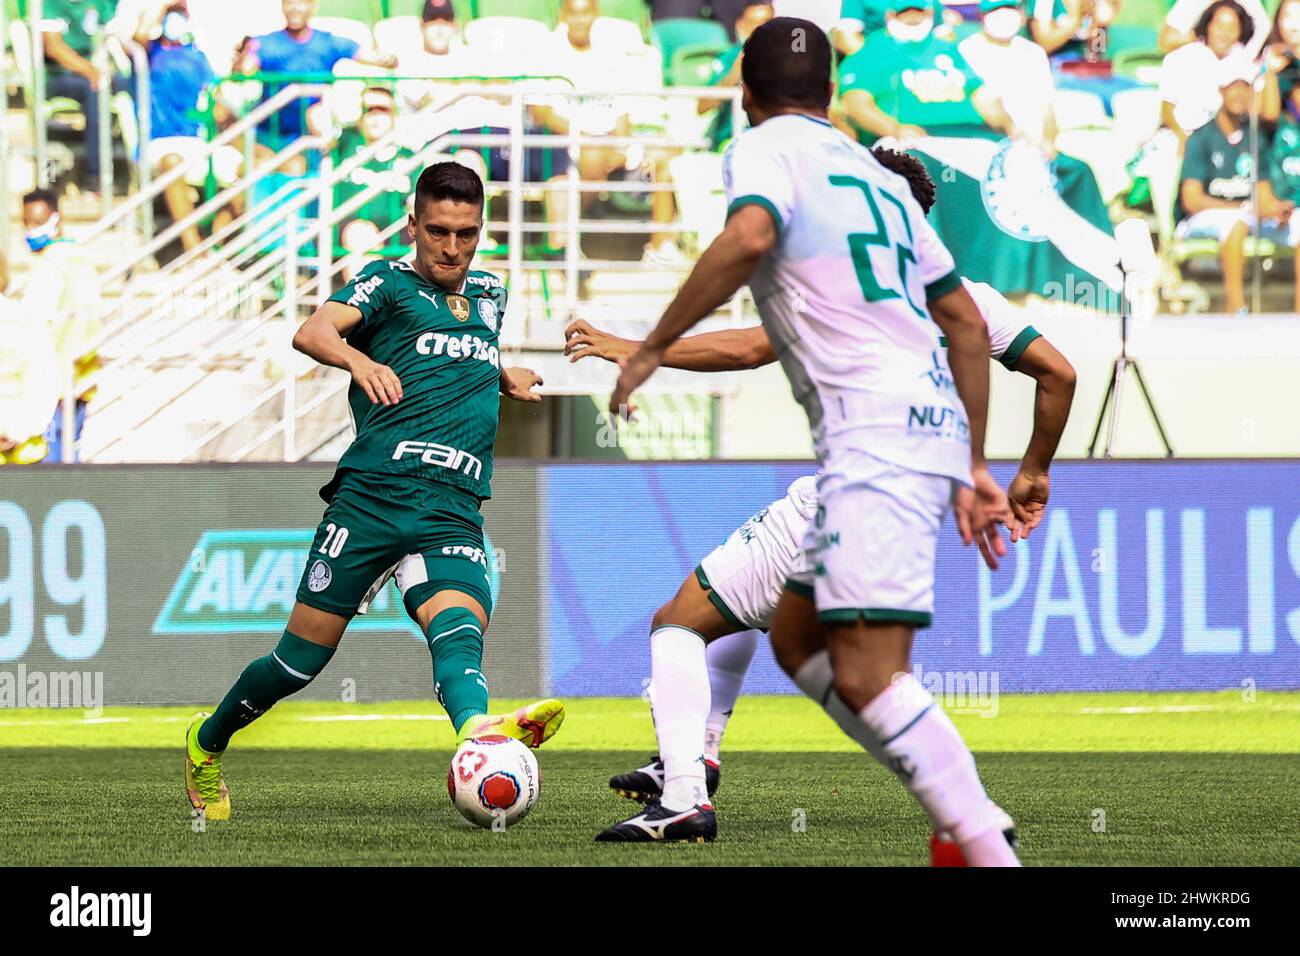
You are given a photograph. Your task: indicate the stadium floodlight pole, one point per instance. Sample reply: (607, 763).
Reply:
(1256, 280)
(286, 344)
(325, 237)
(144, 118)
(68, 414)
(515, 206)
(36, 16)
(104, 70)
(4, 131)
(1137, 263)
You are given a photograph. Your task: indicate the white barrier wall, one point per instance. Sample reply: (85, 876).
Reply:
(1224, 387)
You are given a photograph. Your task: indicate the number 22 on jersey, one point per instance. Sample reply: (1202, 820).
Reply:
(860, 244)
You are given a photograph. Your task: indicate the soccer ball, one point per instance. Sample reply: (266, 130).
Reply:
(494, 780)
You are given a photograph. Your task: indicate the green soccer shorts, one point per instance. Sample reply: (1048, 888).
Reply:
(373, 522)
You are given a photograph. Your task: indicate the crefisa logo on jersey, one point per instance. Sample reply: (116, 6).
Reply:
(319, 578)
(487, 311)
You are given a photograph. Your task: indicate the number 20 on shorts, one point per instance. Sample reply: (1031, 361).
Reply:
(335, 538)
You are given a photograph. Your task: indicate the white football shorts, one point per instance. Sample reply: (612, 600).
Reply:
(870, 549)
(746, 573)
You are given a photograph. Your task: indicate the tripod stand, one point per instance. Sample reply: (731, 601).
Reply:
(1115, 391)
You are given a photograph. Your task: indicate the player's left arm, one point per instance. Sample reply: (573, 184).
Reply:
(750, 233)
(1055, 376)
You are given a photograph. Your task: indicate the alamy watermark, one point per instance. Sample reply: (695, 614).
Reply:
(1139, 300)
(959, 692)
(686, 433)
(63, 689)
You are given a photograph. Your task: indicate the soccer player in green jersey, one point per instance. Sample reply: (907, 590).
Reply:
(420, 341)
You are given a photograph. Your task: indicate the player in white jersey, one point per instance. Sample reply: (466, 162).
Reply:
(734, 590)
(897, 418)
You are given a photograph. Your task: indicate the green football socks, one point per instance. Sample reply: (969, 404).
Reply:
(286, 670)
(456, 643)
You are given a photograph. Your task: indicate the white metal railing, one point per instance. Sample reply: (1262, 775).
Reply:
(243, 285)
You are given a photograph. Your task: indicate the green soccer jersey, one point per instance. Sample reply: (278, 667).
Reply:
(78, 21)
(927, 83)
(443, 347)
(1222, 166)
(1284, 160)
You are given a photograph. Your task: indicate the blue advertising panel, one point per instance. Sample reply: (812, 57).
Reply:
(1143, 576)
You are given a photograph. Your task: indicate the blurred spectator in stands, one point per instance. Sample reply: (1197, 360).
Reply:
(443, 55)
(1015, 69)
(68, 33)
(596, 74)
(1073, 29)
(1189, 76)
(1282, 54)
(390, 169)
(861, 18)
(63, 292)
(28, 377)
(180, 77)
(1190, 97)
(1179, 27)
(1216, 188)
(298, 49)
(726, 71)
(724, 11)
(905, 76)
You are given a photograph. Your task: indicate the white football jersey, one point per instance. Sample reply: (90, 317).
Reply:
(1008, 334)
(843, 294)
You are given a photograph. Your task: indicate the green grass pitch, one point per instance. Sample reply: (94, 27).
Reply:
(1092, 779)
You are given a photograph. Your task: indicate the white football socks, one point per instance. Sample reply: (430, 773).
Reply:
(909, 733)
(728, 659)
(923, 748)
(680, 688)
(816, 679)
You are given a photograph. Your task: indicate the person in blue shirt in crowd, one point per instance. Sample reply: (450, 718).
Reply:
(298, 49)
(180, 77)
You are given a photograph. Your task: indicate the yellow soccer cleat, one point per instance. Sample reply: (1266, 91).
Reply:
(204, 784)
(534, 724)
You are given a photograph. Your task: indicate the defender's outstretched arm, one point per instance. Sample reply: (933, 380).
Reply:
(727, 350)
(724, 267)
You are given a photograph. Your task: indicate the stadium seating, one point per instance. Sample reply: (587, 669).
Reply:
(399, 35)
(363, 11)
(544, 11)
(56, 108)
(413, 8)
(699, 36)
(692, 65)
(515, 41)
(611, 33)
(355, 30)
(633, 11)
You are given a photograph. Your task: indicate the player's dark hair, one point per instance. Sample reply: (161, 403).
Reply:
(787, 62)
(449, 180)
(1202, 29)
(42, 195)
(911, 169)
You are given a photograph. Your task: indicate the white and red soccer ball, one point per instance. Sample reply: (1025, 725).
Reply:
(493, 780)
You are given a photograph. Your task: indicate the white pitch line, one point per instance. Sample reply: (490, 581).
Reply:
(1242, 708)
(334, 718)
